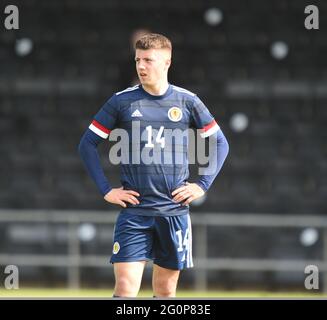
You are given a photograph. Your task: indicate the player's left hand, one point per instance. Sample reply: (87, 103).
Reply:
(189, 192)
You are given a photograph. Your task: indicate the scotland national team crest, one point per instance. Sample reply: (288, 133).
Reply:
(116, 248)
(175, 114)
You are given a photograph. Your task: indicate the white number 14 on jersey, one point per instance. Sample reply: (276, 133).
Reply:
(159, 138)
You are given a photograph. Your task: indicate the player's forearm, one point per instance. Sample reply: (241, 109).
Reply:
(89, 154)
(217, 158)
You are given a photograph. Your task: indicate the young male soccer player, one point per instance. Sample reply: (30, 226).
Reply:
(154, 223)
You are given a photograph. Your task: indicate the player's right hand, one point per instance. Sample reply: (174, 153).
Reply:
(120, 196)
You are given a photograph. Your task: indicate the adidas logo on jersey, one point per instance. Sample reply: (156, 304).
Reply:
(137, 113)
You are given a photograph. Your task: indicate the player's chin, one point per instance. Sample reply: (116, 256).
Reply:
(143, 80)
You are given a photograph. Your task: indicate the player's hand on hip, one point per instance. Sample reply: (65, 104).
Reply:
(187, 193)
(121, 196)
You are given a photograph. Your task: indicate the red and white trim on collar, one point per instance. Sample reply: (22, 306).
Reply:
(209, 129)
(99, 129)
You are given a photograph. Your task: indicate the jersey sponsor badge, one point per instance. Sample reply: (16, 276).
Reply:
(175, 114)
(115, 248)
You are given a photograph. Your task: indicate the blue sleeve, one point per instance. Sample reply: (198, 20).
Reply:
(89, 154)
(218, 150)
(106, 119)
(202, 119)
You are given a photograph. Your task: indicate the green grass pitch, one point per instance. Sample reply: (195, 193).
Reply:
(102, 293)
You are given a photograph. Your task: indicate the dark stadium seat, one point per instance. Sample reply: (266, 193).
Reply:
(276, 165)
(48, 98)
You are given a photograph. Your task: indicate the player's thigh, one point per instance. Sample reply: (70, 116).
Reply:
(173, 242)
(129, 272)
(163, 278)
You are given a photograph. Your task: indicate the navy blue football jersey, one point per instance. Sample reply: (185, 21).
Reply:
(154, 156)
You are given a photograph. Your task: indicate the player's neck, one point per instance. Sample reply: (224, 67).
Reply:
(158, 89)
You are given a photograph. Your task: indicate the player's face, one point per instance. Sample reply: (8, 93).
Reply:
(152, 65)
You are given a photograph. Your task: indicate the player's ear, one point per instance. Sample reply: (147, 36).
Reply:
(168, 63)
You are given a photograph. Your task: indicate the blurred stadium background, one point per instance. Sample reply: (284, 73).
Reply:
(263, 76)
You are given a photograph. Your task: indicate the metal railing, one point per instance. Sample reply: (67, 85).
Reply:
(74, 260)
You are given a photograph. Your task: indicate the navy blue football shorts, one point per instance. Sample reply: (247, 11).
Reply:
(165, 240)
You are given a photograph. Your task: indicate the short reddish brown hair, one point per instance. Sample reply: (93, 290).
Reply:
(153, 41)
